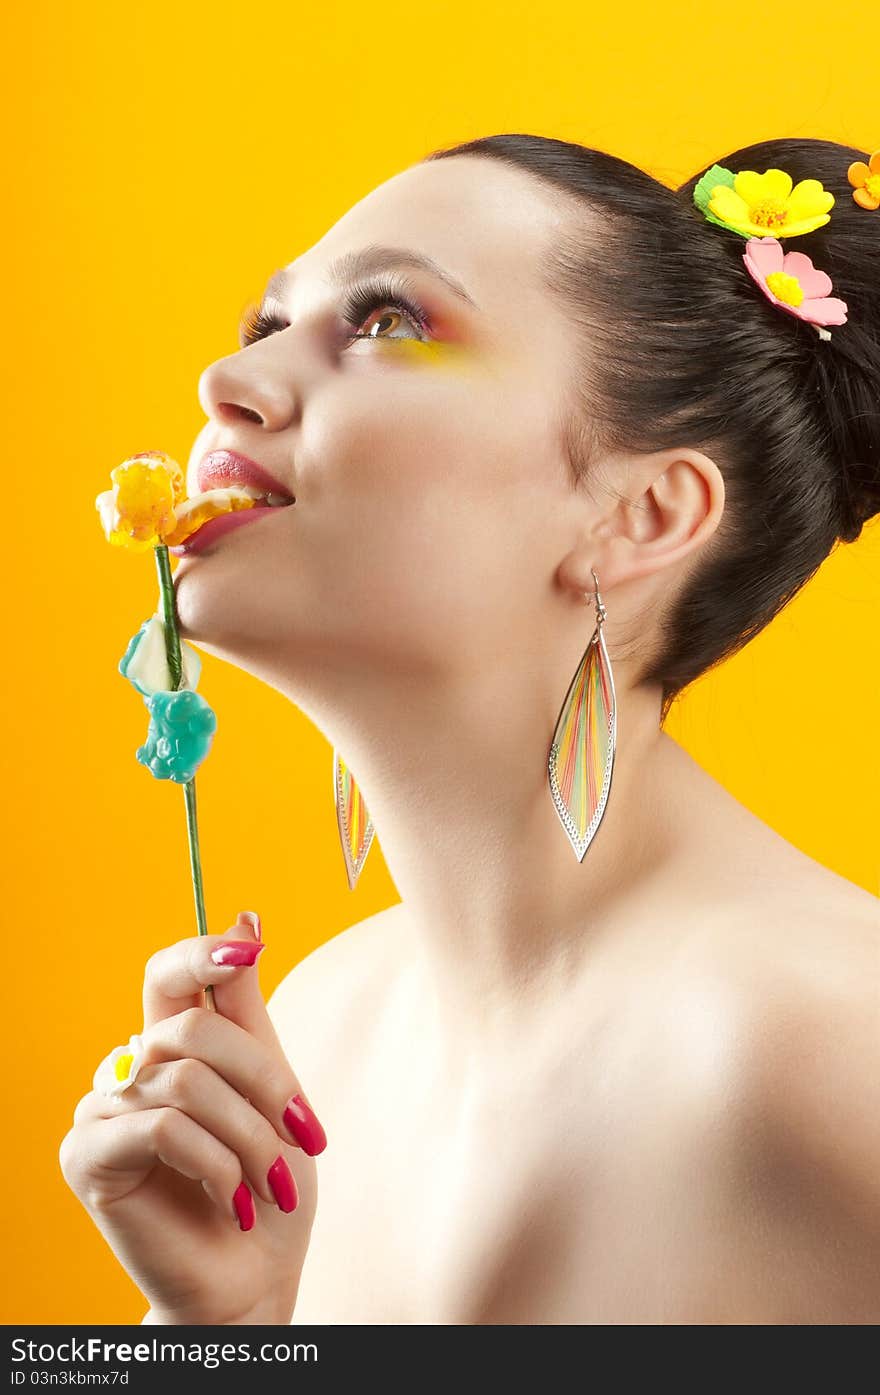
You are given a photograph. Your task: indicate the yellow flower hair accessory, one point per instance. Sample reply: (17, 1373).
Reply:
(865, 179)
(762, 205)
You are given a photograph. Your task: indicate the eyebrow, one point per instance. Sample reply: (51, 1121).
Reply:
(353, 265)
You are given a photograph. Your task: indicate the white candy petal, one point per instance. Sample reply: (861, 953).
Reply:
(106, 506)
(149, 663)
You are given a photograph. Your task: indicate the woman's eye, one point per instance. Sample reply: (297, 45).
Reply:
(392, 312)
(385, 293)
(360, 304)
(256, 324)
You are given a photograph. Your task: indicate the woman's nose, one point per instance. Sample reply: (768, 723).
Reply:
(232, 390)
(234, 411)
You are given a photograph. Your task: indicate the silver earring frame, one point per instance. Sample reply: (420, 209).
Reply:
(581, 842)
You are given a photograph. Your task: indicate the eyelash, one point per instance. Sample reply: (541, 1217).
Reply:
(383, 291)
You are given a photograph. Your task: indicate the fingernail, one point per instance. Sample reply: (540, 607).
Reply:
(283, 1186)
(304, 1126)
(244, 1206)
(254, 920)
(237, 952)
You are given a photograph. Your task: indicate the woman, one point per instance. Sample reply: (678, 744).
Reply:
(637, 1086)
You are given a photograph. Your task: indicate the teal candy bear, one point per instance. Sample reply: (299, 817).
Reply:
(182, 727)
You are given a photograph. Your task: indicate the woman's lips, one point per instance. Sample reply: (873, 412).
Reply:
(216, 527)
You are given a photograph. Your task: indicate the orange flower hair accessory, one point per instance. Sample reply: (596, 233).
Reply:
(793, 284)
(865, 179)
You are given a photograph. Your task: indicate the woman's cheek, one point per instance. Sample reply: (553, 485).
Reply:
(429, 355)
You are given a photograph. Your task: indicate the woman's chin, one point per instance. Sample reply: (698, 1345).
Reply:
(203, 612)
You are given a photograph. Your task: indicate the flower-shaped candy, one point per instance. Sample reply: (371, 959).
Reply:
(147, 505)
(760, 205)
(865, 179)
(140, 508)
(118, 1070)
(793, 283)
(181, 730)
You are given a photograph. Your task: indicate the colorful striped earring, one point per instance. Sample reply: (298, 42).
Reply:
(353, 820)
(582, 750)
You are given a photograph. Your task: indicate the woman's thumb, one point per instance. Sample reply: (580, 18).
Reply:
(238, 996)
(252, 918)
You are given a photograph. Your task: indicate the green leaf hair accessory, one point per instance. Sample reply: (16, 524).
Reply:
(713, 179)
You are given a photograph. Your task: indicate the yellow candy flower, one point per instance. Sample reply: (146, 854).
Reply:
(140, 508)
(865, 179)
(148, 506)
(766, 205)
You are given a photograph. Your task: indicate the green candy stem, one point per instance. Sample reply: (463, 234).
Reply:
(175, 666)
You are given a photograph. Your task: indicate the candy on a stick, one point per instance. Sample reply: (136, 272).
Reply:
(147, 508)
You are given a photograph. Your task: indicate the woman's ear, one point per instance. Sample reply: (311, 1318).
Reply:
(671, 504)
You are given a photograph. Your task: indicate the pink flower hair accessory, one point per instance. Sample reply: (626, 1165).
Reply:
(791, 282)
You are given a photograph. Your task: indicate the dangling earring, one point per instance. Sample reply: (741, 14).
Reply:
(353, 820)
(582, 750)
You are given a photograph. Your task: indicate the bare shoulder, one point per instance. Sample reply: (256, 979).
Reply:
(816, 1021)
(801, 955)
(806, 976)
(328, 995)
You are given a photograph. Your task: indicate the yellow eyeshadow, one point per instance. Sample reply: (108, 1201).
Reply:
(431, 351)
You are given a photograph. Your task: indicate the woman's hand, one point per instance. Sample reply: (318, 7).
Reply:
(164, 1168)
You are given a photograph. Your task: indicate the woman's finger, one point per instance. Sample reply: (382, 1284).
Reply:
(176, 976)
(200, 1093)
(261, 1073)
(136, 1141)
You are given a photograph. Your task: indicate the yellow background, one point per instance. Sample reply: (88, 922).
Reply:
(161, 161)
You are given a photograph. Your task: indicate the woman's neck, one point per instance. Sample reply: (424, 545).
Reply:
(456, 784)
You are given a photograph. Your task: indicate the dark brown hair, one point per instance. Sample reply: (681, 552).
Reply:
(681, 348)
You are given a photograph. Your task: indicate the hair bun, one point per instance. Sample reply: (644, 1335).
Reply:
(860, 504)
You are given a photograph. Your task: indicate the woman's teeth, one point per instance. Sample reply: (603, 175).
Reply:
(201, 508)
(225, 494)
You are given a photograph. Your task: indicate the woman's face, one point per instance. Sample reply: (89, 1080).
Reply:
(433, 497)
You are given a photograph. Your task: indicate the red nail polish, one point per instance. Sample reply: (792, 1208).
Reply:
(304, 1126)
(244, 1206)
(237, 952)
(282, 1184)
